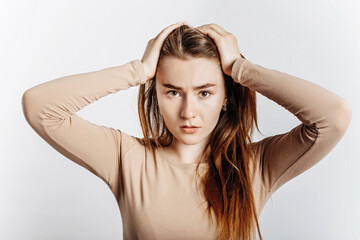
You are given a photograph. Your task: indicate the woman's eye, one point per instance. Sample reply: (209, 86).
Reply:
(173, 93)
(208, 93)
(169, 92)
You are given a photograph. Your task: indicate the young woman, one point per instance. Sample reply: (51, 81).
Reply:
(195, 174)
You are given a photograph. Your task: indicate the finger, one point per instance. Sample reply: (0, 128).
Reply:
(215, 27)
(166, 31)
(219, 29)
(212, 34)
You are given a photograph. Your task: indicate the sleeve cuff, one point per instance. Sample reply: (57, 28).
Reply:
(238, 69)
(140, 72)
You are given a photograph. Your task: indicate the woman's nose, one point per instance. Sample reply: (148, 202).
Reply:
(187, 110)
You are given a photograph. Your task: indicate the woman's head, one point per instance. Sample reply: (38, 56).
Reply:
(181, 101)
(189, 58)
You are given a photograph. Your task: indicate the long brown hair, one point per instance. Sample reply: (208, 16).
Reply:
(226, 184)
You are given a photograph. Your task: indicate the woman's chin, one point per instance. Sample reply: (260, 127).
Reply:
(188, 139)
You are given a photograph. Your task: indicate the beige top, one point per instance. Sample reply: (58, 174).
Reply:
(159, 198)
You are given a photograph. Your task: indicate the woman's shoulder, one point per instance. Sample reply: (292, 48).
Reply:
(135, 143)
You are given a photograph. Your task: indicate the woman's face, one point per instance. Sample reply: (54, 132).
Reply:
(182, 103)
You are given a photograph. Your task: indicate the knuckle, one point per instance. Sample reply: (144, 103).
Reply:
(231, 36)
(221, 40)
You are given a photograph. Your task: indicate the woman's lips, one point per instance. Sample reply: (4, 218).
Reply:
(189, 129)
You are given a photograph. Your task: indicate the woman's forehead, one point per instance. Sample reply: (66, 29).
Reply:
(195, 71)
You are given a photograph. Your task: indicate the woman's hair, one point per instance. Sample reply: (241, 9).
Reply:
(226, 184)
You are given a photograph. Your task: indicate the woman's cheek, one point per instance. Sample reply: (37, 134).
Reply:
(161, 101)
(165, 105)
(212, 104)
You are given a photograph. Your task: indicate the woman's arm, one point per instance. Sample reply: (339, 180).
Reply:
(50, 109)
(325, 118)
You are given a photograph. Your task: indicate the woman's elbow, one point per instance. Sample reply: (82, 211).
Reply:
(344, 116)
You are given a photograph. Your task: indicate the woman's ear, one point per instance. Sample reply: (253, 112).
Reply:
(225, 101)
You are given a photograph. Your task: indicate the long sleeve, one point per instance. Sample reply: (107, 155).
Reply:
(324, 118)
(50, 109)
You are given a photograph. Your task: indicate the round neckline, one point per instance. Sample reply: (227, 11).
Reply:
(180, 164)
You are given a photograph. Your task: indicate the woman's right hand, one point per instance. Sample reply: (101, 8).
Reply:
(152, 51)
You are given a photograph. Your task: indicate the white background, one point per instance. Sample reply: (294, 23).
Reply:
(43, 195)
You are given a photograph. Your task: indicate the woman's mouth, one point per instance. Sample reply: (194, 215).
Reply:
(189, 129)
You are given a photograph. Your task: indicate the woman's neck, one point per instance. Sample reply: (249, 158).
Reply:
(188, 154)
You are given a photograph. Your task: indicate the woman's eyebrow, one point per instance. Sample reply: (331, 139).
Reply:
(168, 85)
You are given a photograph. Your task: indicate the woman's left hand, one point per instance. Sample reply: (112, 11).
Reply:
(226, 43)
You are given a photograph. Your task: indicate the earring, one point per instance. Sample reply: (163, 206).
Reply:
(224, 107)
